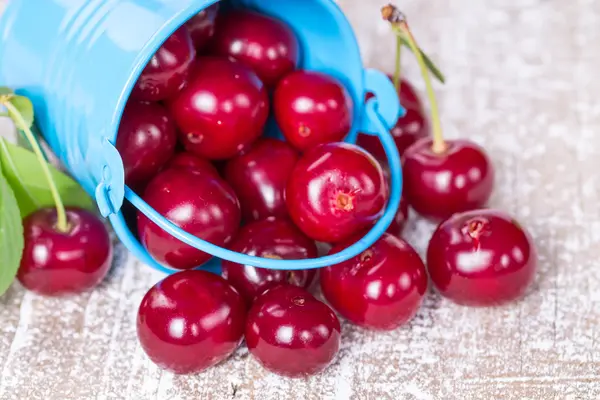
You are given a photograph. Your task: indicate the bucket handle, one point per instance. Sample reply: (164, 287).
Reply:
(377, 124)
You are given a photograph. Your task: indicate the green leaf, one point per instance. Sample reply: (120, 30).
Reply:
(24, 174)
(5, 90)
(430, 65)
(24, 107)
(11, 236)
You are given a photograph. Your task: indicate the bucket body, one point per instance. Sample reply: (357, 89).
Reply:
(78, 60)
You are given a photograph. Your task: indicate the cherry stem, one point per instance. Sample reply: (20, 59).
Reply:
(398, 21)
(61, 224)
(398, 70)
(439, 144)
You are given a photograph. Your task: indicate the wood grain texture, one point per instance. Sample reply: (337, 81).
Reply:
(522, 81)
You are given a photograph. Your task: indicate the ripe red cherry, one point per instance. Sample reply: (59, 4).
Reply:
(202, 26)
(168, 69)
(222, 109)
(401, 218)
(190, 321)
(200, 204)
(259, 177)
(291, 333)
(56, 263)
(380, 289)
(264, 43)
(409, 98)
(409, 129)
(481, 258)
(272, 238)
(399, 223)
(312, 108)
(438, 185)
(335, 191)
(193, 162)
(146, 141)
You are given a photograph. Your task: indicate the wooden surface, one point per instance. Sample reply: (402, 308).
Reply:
(523, 81)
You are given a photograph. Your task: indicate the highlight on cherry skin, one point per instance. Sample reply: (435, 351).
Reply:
(481, 258)
(291, 333)
(190, 321)
(380, 289)
(197, 132)
(336, 190)
(263, 43)
(259, 177)
(146, 141)
(168, 70)
(197, 202)
(437, 185)
(202, 26)
(56, 262)
(312, 108)
(222, 109)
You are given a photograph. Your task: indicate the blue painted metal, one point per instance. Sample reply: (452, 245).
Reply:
(78, 64)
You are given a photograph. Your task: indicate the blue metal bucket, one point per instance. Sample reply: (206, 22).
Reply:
(78, 61)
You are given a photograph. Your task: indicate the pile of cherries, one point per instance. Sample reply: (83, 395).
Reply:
(193, 143)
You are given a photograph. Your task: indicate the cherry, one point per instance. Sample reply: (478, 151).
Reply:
(291, 333)
(409, 128)
(481, 258)
(272, 238)
(190, 321)
(200, 204)
(408, 95)
(399, 223)
(440, 177)
(202, 26)
(222, 110)
(264, 43)
(438, 185)
(167, 70)
(56, 262)
(146, 140)
(193, 162)
(381, 289)
(312, 108)
(259, 177)
(336, 190)
(401, 218)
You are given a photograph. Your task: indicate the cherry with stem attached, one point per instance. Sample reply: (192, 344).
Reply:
(65, 250)
(409, 128)
(441, 176)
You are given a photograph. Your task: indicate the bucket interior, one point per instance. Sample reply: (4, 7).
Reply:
(327, 44)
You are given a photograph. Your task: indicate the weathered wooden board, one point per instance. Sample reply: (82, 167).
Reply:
(523, 81)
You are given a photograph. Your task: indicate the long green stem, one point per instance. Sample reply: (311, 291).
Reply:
(398, 67)
(439, 145)
(62, 223)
